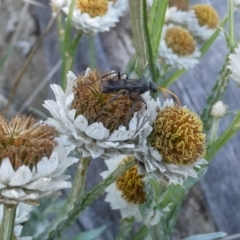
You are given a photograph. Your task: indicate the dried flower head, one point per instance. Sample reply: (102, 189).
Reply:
(94, 105)
(127, 193)
(32, 160)
(234, 65)
(182, 5)
(178, 136)
(95, 122)
(218, 110)
(176, 145)
(178, 48)
(92, 16)
(205, 22)
(24, 142)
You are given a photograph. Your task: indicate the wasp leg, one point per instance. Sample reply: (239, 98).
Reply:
(130, 112)
(132, 108)
(142, 100)
(111, 73)
(121, 92)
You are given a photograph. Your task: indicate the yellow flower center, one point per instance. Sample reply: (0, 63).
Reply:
(178, 136)
(24, 142)
(206, 15)
(180, 4)
(180, 41)
(94, 8)
(96, 106)
(131, 186)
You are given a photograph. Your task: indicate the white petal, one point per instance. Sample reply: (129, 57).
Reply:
(21, 177)
(6, 171)
(97, 131)
(71, 78)
(46, 166)
(81, 123)
(121, 134)
(69, 100)
(13, 193)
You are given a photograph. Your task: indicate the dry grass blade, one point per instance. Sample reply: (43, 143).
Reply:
(29, 59)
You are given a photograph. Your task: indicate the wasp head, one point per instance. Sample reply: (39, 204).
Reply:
(153, 87)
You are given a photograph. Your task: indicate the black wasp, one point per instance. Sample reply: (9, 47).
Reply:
(115, 82)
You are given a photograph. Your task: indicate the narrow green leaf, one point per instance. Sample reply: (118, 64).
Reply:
(138, 31)
(141, 234)
(125, 226)
(156, 22)
(5, 57)
(231, 130)
(208, 236)
(216, 95)
(89, 235)
(145, 60)
(163, 201)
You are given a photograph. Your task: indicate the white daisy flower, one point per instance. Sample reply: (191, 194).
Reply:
(178, 48)
(176, 145)
(127, 193)
(32, 161)
(22, 215)
(205, 22)
(96, 126)
(94, 16)
(234, 65)
(179, 17)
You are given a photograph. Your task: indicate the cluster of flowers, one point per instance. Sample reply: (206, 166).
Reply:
(185, 30)
(92, 16)
(166, 140)
(32, 162)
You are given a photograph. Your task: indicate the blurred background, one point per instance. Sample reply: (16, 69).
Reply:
(212, 205)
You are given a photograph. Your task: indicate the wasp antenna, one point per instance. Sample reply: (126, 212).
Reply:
(165, 90)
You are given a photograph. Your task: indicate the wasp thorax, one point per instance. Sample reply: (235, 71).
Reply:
(25, 142)
(95, 106)
(131, 185)
(178, 136)
(94, 8)
(206, 15)
(180, 41)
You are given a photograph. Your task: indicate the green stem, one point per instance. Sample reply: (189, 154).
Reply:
(66, 66)
(214, 131)
(8, 222)
(231, 23)
(224, 138)
(73, 208)
(68, 53)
